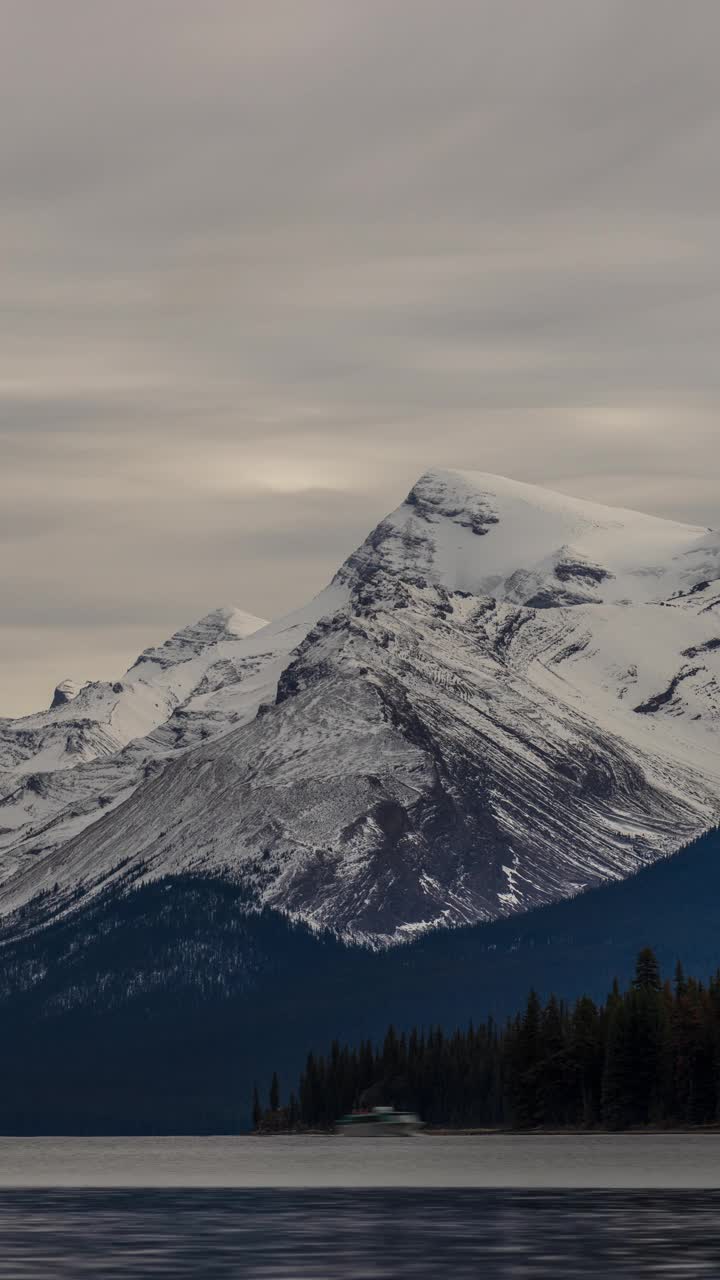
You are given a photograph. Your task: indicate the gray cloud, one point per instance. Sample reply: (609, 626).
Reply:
(262, 264)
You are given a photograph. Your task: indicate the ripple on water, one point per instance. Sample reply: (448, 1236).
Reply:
(308, 1235)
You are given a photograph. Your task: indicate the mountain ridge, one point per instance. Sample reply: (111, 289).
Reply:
(504, 696)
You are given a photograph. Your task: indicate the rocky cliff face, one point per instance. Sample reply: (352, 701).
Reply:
(64, 692)
(504, 696)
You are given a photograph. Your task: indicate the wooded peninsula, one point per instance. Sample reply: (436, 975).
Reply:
(647, 1056)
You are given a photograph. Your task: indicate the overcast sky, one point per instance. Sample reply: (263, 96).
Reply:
(264, 261)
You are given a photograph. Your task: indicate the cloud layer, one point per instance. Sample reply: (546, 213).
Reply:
(263, 263)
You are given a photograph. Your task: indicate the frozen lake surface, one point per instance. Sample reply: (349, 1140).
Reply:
(331, 1209)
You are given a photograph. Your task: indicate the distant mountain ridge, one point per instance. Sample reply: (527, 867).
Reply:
(506, 695)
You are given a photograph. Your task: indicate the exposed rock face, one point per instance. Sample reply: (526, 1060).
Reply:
(493, 705)
(64, 692)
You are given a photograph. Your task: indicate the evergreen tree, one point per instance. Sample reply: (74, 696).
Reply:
(586, 1052)
(274, 1093)
(522, 1067)
(649, 1065)
(616, 1092)
(647, 971)
(553, 1067)
(637, 1058)
(256, 1108)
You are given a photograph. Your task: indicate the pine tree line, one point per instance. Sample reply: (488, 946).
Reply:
(648, 1056)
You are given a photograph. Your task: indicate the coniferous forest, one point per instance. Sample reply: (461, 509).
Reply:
(649, 1055)
(155, 1010)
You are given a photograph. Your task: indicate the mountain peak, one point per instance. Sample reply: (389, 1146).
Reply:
(443, 487)
(237, 622)
(507, 694)
(225, 622)
(65, 691)
(489, 535)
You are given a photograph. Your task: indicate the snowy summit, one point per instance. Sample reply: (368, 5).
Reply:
(505, 695)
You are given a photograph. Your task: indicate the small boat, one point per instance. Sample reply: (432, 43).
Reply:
(383, 1122)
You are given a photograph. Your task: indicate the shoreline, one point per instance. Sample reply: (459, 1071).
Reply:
(671, 1161)
(432, 1131)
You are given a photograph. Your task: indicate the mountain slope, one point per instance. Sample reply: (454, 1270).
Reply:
(505, 696)
(156, 1010)
(98, 718)
(62, 769)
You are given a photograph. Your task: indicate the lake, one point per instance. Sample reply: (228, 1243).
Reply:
(319, 1208)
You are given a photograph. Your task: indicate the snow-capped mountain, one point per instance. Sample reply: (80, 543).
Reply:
(505, 695)
(60, 769)
(98, 718)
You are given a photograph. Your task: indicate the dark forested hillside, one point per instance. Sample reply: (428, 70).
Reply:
(155, 1011)
(149, 1012)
